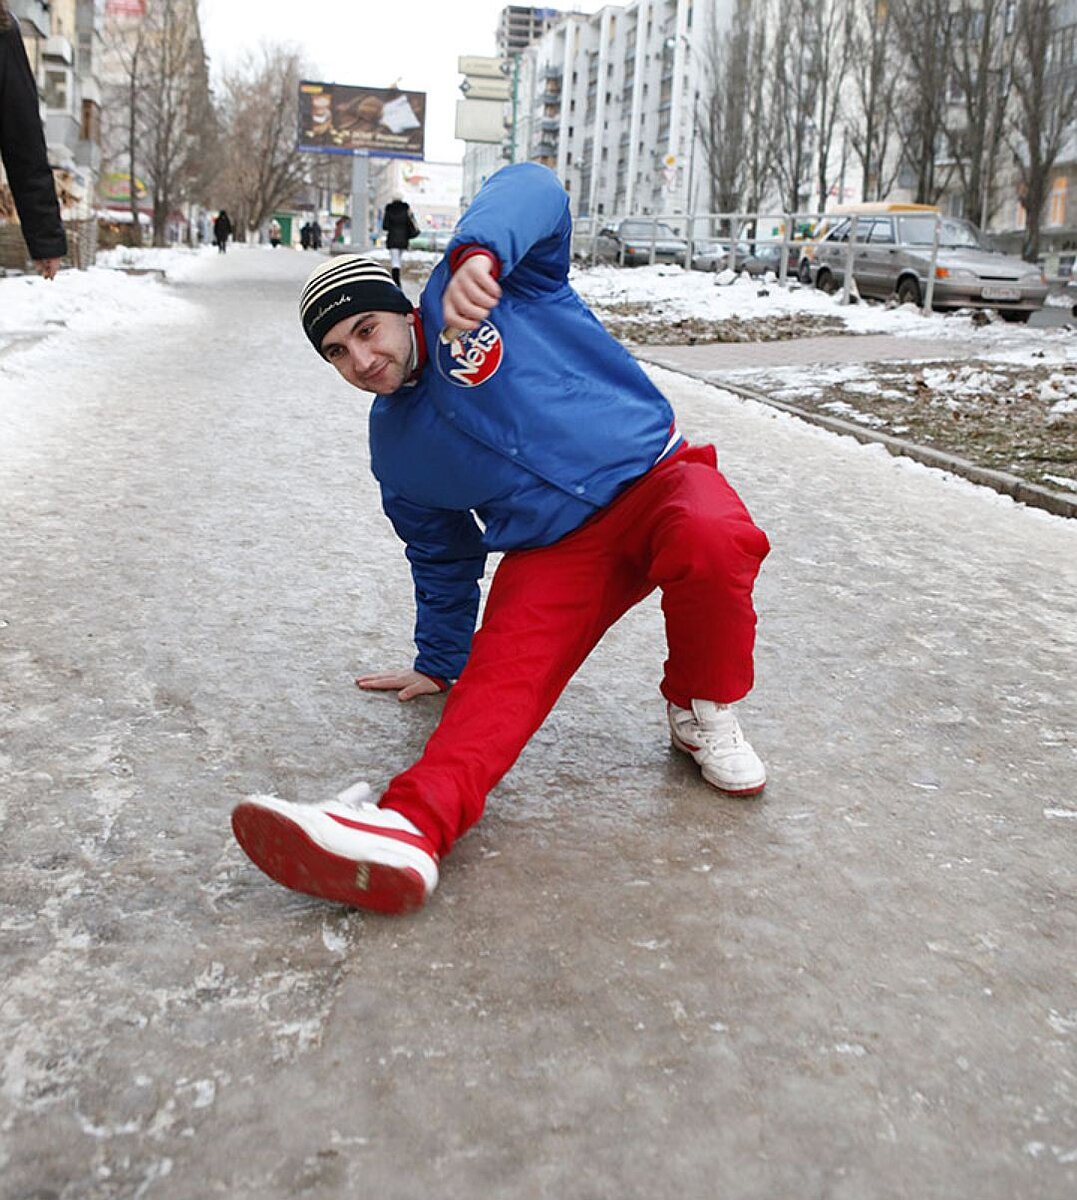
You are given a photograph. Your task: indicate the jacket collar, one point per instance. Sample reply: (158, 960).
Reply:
(418, 350)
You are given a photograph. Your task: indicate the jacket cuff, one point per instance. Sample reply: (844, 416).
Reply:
(462, 253)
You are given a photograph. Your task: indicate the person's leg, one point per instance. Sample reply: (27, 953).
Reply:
(546, 611)
(705, 554)
(396, 257)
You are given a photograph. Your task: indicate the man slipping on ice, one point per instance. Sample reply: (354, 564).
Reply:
(506, 419)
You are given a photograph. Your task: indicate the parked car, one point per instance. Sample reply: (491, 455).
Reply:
(431, 239)
(709, 255)
(892, 257)
(629, 243)
(756, 258)
(802, 257)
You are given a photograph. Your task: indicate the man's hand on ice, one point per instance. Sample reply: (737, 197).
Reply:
(472, 293)
(406, 684)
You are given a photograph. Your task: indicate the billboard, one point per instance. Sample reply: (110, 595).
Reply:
(335, 118)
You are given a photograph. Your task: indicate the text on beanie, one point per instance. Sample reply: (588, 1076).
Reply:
(342, 287)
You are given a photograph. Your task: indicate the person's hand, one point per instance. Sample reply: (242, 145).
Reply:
(472, 293)
(406, 684)
(47, 267)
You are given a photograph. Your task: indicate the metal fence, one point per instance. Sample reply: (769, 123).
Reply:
(792, 233)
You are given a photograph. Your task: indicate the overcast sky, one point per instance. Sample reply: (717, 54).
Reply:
(372, 43)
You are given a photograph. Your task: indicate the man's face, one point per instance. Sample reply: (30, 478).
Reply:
(372, 350)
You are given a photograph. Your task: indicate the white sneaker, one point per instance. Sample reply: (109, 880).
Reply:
(347, 850)
(711, 734)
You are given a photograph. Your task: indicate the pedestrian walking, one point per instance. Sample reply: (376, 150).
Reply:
(222, 231)
(274, 233)
(400, 227)
(25, 155)
(507, 419)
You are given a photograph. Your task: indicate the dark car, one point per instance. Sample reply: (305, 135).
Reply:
(631, 242)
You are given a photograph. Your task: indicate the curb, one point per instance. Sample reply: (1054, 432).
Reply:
(1032, 494)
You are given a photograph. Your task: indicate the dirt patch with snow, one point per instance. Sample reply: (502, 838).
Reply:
(1020, 419)
(637, 323)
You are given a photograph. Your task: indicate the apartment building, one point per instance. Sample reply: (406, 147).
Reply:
(608, 102)
(518, 26)
(614, 101)
(63, 42)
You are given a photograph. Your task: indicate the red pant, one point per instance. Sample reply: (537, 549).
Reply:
(681, 528)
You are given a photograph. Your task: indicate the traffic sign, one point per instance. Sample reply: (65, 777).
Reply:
(486, 68)
(484, 88)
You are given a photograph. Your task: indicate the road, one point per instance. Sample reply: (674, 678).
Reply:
(860, 987)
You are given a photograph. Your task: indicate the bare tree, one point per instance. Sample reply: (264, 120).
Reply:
(875, 77)
(175, 99)
(922, 37)
(122, 114)
(793, 97)
(832, 35)
(259, 117)
(160, 114)
(760, 168)
(1045, 112)
(726, 115)
(981, 57)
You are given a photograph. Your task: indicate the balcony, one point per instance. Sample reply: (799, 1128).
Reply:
(58, 50)
(32, 13)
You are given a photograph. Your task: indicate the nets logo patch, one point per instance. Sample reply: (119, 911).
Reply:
(469, 358)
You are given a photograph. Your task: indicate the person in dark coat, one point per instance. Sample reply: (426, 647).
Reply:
(24, 153)
(222, 231)
(400, 228)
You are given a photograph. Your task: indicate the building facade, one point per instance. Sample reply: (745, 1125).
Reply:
(608, 102)
(63, 41)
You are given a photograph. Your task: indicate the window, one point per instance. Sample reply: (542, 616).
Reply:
(90, 130)
(881, 231)
(56, 89)
(1056, 202)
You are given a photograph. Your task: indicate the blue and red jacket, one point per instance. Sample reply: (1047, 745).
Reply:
(511, 436)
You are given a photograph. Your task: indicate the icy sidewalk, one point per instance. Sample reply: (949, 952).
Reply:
(625, 985)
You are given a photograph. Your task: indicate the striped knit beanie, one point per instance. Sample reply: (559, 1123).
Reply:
(343, 286)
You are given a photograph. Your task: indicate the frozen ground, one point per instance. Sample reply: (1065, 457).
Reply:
(860, 987)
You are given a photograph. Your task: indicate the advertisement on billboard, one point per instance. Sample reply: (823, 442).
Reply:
(335, 118)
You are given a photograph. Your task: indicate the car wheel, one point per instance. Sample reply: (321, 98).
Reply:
(1014, 315)
(826, 282)
(804, 272)
(908, 292)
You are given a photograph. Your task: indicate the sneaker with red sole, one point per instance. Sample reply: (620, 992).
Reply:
(711, 734)
(347, 850)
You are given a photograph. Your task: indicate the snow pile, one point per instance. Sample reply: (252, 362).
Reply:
(671, 293)
(104, 298)
(176, 263)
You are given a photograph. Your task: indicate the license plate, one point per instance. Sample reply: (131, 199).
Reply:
(1001, 293)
